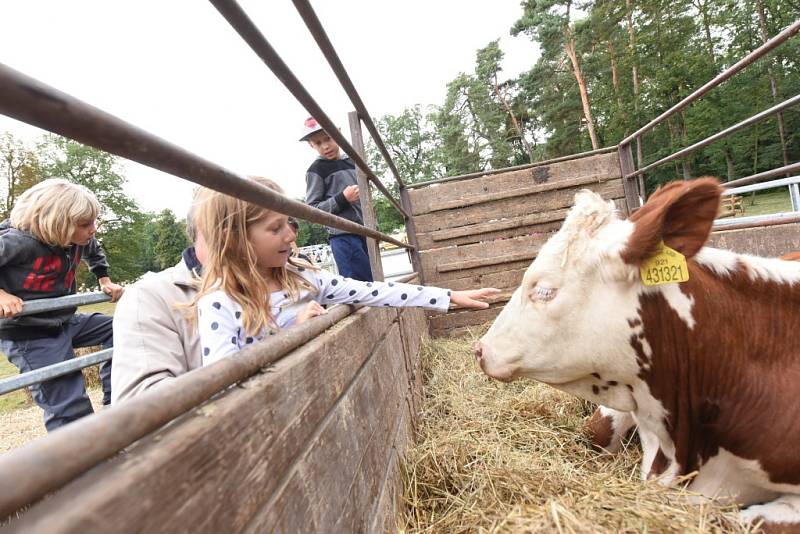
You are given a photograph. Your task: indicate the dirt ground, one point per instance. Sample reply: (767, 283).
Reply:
(22, 425)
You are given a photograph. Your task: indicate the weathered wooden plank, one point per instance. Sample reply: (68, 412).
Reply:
(480, 258)
(767, 241)
(551, 200)
(324, 482)
(236, 446)
(389, 501)
(600, 166)
(500, 280)
(493, 230)
(443, 324)
(462, 201)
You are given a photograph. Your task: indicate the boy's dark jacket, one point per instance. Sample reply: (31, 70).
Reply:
(30, 269)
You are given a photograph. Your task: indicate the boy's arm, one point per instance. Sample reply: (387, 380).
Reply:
(98, 264)
(10, 304)
(315, 195)
(96, 258)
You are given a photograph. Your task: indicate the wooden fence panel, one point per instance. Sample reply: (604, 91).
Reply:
(464, 192)
(512, 206)
(485, 231)
(767, 241)
(216, 468)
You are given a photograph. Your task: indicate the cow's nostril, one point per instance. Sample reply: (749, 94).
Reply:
(478, 352)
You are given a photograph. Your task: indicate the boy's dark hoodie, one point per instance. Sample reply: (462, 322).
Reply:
(30, 270)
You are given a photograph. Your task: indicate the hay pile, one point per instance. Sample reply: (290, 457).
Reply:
(498, 457)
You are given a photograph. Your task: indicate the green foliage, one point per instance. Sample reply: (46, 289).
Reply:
(638, 58)
(311, 234)
(170, 239)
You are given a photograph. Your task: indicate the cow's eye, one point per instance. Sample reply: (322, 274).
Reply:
(543, 294)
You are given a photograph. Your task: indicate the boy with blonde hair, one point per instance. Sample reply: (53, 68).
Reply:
(51, 229)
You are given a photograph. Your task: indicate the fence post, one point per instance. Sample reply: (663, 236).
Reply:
(365, 196)
(626, 167)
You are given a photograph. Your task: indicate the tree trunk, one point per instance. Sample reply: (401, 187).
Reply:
(513, 120)
(729, 163)
(762, 24)
(569, 48)
(634, 57)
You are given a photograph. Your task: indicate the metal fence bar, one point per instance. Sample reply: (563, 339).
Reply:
(79, 299)
(321, 37)
(719, 135)
(248, 31)
(490, 172)
(54, 371)
(762, 176)
(33, 102)
(763, 185)
(786, 34)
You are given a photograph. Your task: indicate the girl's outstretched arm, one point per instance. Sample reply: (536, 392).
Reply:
(473, 298)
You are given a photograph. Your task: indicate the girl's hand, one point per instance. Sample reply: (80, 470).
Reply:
(10, 305)
(474, 298)
(108, 287)
(312, 310)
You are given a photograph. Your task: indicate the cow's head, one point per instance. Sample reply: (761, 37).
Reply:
(570, 322)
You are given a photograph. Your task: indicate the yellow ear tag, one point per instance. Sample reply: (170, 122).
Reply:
(667, 266)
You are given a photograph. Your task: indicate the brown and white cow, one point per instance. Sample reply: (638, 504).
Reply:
(709, 368)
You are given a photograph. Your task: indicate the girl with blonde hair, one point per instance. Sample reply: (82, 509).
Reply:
(252, 287)
(51, 229)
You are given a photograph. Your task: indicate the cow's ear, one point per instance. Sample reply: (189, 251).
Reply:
(680, 214)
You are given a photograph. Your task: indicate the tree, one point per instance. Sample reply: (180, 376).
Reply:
(170, 239)
(19, 170)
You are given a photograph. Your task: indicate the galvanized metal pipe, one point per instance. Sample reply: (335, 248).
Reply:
(417, 185)
(248, 31)
(59, 303)
(762, 176)
(31, 101)
(753, 56)
(321, 37)
(54, 371)
(719, 135)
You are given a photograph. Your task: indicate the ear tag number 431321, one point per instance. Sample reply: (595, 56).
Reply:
(667, 266)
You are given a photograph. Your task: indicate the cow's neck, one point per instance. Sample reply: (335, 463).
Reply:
(712, 358)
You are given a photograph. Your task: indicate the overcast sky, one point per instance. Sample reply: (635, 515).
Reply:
(177, 69)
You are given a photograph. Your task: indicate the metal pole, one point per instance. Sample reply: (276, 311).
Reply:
(54, 371)
(760, 177)
(248, 31)
(365, 196)
(321, 37)
(767, 113)
(79, 299)
(753, 56)
(36, 103)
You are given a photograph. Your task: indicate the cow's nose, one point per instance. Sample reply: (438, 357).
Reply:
(478, 351)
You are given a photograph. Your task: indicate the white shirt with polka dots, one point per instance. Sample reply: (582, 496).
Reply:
(220, 318)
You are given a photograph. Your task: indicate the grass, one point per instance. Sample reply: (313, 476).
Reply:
(767, 201)
(495, 457)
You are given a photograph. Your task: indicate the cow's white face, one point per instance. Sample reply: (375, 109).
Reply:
(568, 323)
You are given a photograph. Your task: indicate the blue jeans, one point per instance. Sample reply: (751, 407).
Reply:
(63, 399)
(352, 258)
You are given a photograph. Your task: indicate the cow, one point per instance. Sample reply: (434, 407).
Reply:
(707, 367)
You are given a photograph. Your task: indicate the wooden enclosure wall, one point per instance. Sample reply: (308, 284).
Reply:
(484, 232)
(767, 241)
(309, 445)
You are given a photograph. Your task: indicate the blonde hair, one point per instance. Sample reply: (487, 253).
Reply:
(52, 209)
(231, 266)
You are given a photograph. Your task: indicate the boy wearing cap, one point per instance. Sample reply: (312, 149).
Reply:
(331, 186)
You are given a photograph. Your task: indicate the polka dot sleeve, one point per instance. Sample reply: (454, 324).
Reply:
(338, 290)
(217, 327)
